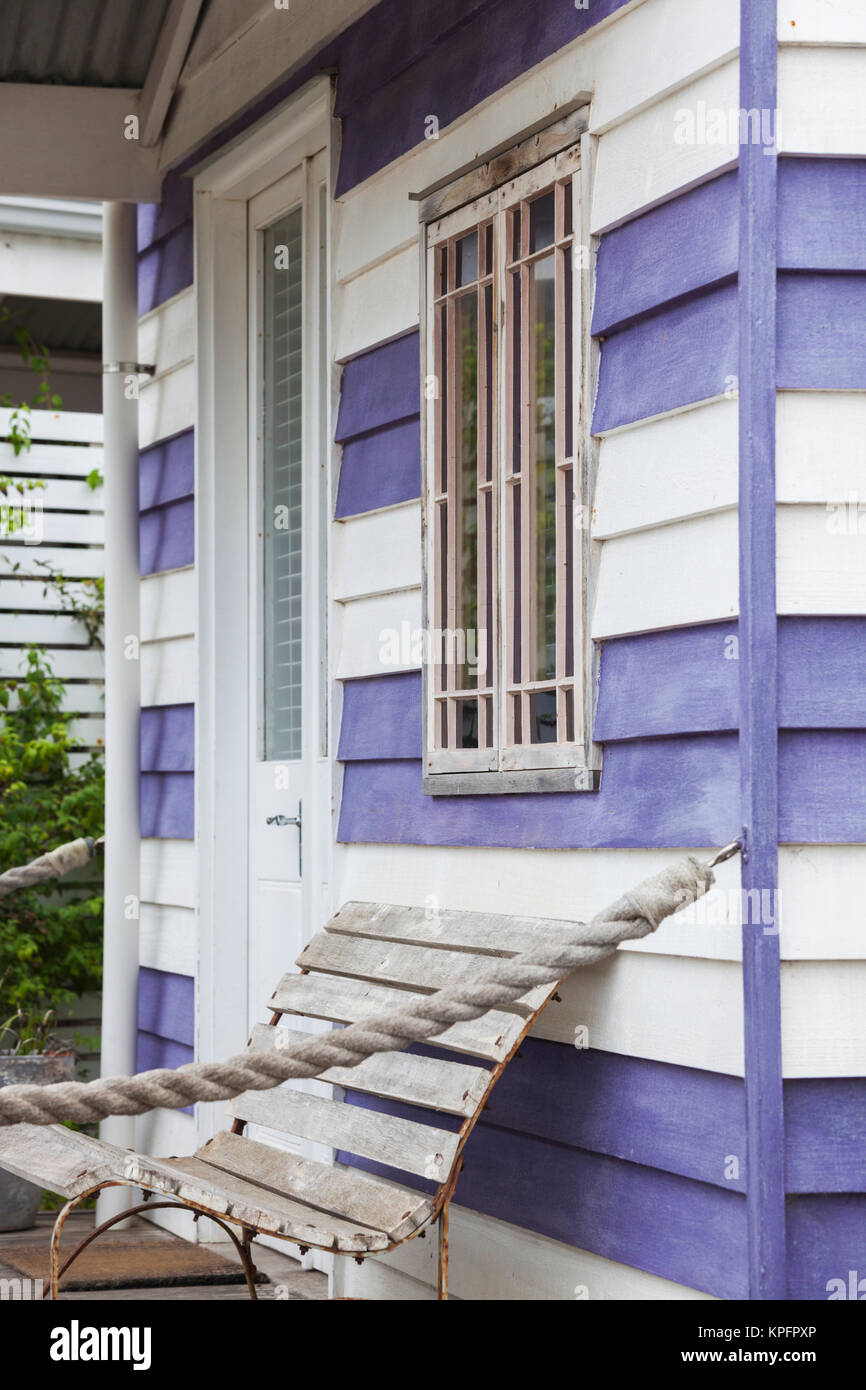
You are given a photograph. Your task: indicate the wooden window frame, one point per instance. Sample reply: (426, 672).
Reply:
(506, 766)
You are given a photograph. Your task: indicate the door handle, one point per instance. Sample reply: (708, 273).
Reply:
(297, 820)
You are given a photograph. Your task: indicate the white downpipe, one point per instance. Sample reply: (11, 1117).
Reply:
(122, 667)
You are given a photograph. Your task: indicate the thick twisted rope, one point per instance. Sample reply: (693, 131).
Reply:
(554, 957)
(54, 864)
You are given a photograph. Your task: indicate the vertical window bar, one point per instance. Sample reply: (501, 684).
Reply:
(453, 493)
(527, 501)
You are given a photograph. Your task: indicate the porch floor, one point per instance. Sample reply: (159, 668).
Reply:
(286, 1276)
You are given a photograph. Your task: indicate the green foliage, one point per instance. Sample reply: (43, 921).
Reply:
(35, 356)
(29, 1032)
(50, 935)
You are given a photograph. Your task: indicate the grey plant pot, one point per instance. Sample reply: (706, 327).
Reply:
(19, 1200)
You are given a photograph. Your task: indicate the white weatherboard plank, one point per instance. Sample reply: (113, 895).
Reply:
(166, 336)
(379, 305)
(88, 562)
(821, 559)
(168, 872)
(58, 493)
(671, 576)
(493, 1260)
(820, 446)
(28, 595)
(379, 635)
(168, 672)
(168, 605)
(643, 52)
(86, 664)
(90, 732)
(86, 697)
(641, 161)
(678, 465)
(166, 404)
(54, 528)
(167, 939)
(666, 1008)
(821, 109)
(377, 553)
(68, 427)
(46, 460)
(52, 629)
(823, 1019)
(822, 21)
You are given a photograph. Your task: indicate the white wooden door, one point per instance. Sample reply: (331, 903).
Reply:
(287, 659)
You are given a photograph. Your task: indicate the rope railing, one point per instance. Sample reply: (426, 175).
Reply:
(635, 915)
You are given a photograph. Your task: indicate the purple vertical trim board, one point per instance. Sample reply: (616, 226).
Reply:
(765, 1165)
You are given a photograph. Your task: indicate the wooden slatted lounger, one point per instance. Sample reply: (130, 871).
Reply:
(359, 966)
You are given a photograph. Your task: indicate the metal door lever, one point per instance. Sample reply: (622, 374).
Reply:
(281, 820)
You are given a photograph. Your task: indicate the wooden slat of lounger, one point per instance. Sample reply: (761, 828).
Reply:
(345, 1192)
(455, 1087)
(403, 1144)
(192, 1180)
(58, 1158)
(417, 967)
(488, 933)
(353, 1001)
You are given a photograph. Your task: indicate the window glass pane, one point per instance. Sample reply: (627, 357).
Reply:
(542, 714)
(466, 334)
(467, 259)
(541, 222)
(467, 723)
(282, 464)
(544, 384)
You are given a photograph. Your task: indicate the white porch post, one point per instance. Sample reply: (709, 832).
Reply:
(122, 687)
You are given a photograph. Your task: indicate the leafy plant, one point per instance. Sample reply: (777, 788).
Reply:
(35, 356)
(51, 934)
(27, 1032)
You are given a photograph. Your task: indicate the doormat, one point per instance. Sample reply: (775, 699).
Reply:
(127, 1264)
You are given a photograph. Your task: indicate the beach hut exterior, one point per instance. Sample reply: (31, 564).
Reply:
(500, 539)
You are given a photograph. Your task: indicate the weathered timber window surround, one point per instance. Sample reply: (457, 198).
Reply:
(507, 660)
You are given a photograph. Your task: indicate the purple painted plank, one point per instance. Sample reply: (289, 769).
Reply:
(825, 1132)
(822, 780)
(827, 1241)
(380, 469)
(682, 681)
(660, 792)
(156, 220)
(685, 245)
(671, 358)
(822, 332)
(167, 806)
(691, 1232)
(166, 537)
(167, 738)
(379, 387)
(822, 211)
(758, 664)
(165, 268)
(381, 717)
(482, 55)
(166, 1005)
(822, 673)
(152, 1052)
(166, 471)
(390, 39)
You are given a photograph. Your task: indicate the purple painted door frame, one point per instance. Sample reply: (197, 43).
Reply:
(765, 1172)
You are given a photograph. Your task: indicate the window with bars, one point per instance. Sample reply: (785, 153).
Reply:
(505, 544)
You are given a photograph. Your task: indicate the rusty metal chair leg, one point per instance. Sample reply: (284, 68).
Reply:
(57, 1270)
(442, 1282)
